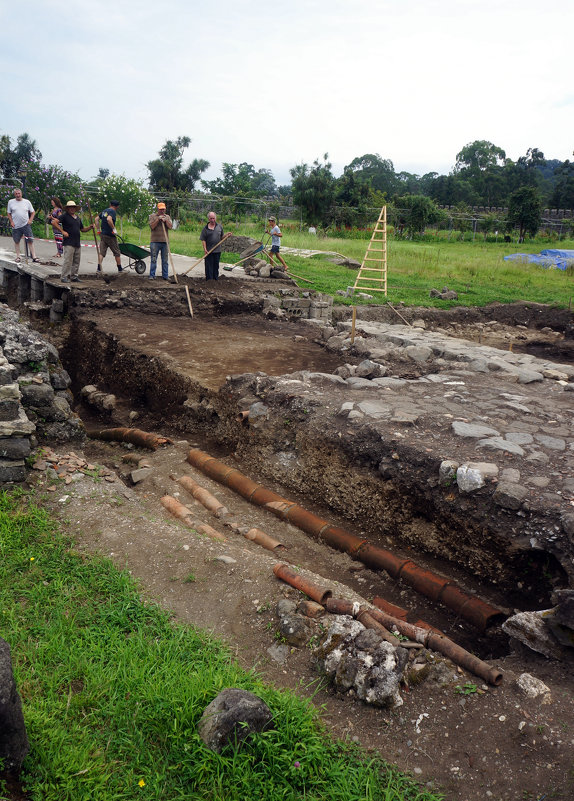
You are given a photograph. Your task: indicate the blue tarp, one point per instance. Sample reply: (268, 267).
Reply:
(551, 259)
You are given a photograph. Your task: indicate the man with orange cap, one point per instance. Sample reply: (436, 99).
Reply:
(160, 223)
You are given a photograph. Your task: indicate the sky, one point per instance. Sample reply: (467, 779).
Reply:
(275, 85)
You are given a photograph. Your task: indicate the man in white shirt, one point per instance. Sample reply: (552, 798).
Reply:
(21, 213)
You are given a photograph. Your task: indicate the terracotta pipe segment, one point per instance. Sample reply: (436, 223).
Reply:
(141, 438)
(203, 496)
(340, 606)
(402, 614)
(370, 623)
(243, 417)
(261, 538)
(179, 510)
(437, 588)
(444, 646)
(313, 591)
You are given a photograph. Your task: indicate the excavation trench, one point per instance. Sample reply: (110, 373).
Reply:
(187, 379)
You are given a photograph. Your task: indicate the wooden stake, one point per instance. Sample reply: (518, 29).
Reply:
(189, 301)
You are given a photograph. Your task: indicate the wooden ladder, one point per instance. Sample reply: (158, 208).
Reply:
(377, 253)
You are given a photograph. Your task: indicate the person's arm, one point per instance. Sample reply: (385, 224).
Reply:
(87, 228)
(10, 216)
(167, 221)
(202, 238)
(111, 223)
(31, 217)
(153, 221)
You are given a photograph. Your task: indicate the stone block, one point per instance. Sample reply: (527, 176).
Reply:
(12, 470)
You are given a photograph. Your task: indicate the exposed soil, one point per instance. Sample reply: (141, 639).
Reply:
(472, 743)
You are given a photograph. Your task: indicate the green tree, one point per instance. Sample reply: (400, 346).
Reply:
(167, 173)
(242, 180)
(378, 171)
(135, 200)
(478, 156)
(563, 194)
(21, 155)
(418, 212)
(524, 211)
(314, 190)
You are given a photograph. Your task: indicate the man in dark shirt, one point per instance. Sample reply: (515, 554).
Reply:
(70, 225)
(210, 235)
(109, 237)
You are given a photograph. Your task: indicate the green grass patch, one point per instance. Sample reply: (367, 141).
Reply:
(113, 690)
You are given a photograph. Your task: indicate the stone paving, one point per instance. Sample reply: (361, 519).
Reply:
(492, 419)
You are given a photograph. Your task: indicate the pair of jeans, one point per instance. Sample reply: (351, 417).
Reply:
(155, 249)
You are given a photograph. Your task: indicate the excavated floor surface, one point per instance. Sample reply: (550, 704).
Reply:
(489, 743)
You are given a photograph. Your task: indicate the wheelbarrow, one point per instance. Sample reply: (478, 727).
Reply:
(135, 254)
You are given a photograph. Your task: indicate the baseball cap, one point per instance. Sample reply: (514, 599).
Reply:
(71, 203)
(114, 202)
(272, 219)
(161, 205)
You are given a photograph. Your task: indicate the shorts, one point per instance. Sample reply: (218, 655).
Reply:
(110, 242)
(275, 249)
(25, 231)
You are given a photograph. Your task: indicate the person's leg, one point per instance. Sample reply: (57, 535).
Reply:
(59, 240)
(116, 251)
(75, 263)
(208, 267)
(282, 260)
(164, 261)
(67, 265)
(17, 236)
(103, 249)
(215, 268)
(153, 249)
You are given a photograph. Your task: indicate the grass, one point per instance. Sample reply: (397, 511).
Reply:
(475, 270)
(113, 690)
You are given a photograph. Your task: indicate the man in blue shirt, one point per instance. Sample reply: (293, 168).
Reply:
(109, 238)
(275, 242)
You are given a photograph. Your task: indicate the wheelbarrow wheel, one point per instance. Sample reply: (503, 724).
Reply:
(140, 267)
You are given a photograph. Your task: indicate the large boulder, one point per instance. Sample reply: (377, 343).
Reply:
(13, 738)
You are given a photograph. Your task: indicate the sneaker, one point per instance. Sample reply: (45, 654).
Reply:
(120, 269)
(65, 280)
(151, 277)
(75, 279)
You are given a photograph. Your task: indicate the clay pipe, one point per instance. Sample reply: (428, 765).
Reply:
(134, 435)
(443, 645)
(203, 496)
(310, 589)
(177, 509)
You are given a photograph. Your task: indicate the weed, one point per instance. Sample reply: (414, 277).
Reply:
(189, 579)
(468, 688)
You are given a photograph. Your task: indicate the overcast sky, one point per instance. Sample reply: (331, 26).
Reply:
(105, 84)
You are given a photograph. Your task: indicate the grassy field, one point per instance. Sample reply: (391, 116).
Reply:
(113, 690)
(475, 270)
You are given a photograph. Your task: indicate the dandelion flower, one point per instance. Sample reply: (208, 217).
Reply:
(141, 783)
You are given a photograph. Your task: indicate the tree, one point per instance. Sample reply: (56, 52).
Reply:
(167, 174)
(242, 180)
(563, 194)
(420, 212)
(478, 156)
(524, 211)
(314, 189)
(135, 200)
(380, 172)
(12, 159)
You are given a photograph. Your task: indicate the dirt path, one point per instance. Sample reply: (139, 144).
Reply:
(474, 742)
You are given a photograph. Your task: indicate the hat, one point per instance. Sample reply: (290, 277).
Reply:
(272, 219)
(114, 202)
(71, 203)
(161, 205)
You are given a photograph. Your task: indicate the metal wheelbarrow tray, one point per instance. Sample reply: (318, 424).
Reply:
(135, 254)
